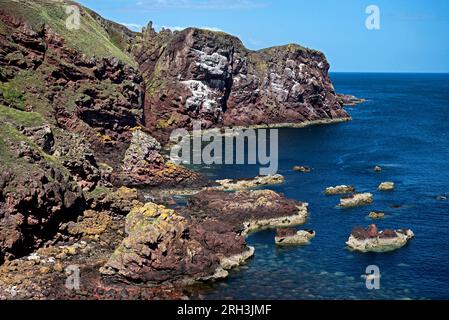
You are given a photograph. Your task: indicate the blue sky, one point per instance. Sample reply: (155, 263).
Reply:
(413, 35)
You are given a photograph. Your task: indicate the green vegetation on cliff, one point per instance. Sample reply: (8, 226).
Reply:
(95, 37)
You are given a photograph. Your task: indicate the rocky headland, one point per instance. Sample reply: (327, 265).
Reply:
(84, 120)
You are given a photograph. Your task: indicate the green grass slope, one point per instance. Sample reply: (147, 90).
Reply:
(96, 36)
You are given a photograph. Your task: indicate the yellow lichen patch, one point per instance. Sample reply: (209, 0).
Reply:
(164, 124)
(152, 210)
(169, 170)
(105, 139)
(92, 224)
(134, 129)
(151, 214)
(126, 193)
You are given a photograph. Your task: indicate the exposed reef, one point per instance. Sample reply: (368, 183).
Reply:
(355, 200)
(342, 189)
(291, 236)
(372, 240)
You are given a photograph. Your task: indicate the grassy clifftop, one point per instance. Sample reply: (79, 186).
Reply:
(96, 36)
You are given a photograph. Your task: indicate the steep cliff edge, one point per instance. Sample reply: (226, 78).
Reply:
(209, 76)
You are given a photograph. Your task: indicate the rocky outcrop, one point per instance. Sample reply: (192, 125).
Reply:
(143, 165)
(291, 236)
(342, 189)
(372, 240)
(198, 242)
(210, 76)
(355, 200)
(163, 246)
(247, 210)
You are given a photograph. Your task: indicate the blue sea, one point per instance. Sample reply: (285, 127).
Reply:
(403, 127)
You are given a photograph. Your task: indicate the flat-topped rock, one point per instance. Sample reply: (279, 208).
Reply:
(291, 236)
(355, 200)
(241, 184)
(342, 189)
(373, 240)
(247, 210)
(386, 186)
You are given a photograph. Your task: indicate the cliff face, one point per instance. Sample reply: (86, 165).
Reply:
(210, 76)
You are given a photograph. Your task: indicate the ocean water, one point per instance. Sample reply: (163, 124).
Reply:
(402, 127)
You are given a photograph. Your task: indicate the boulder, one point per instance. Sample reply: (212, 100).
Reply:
(386, 186)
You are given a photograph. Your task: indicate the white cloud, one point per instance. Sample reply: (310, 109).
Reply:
(132, 26)
(212, 29)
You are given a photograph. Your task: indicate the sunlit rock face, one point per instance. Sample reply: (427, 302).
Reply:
(210, 76)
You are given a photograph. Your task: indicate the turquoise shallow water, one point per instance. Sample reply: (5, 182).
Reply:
(403, 127)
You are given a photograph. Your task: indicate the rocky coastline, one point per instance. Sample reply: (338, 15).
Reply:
(83, 131)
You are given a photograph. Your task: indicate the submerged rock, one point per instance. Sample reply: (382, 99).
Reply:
(349, 100)
(290, 236)
(342, 189)
(376, 214)
(241, 184)
(302, 169)
(386, 186)
(372, 240)
(355, 200)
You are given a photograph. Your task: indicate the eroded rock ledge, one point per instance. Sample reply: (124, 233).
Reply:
(198, 242)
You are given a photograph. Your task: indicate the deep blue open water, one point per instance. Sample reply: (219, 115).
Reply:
(402, 127)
